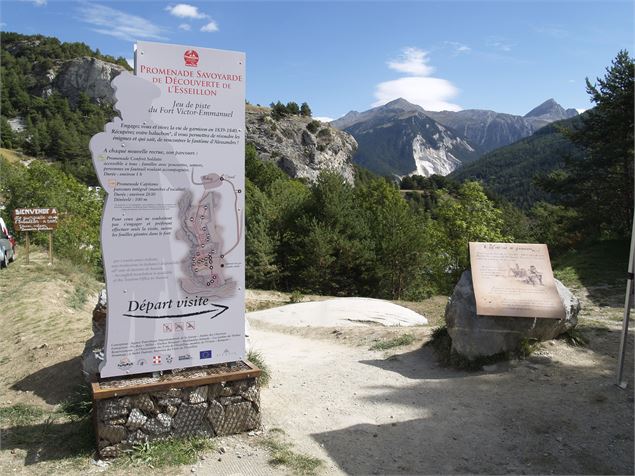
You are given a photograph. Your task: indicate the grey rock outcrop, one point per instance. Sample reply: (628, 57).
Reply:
(474, 336)
(93, 354)
(86, 75)
(295, 149)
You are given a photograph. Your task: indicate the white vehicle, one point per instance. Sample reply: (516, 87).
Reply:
(7, 245)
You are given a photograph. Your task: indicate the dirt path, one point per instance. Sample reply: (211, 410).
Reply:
(368, 412)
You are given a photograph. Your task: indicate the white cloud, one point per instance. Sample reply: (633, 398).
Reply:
(130, 62)
(185, 27)
(580, 111)
(183, 10)
(458, 48)
(210, 27)
(323, 119)
(555, 31)
(412, 61)
(124, 26)
(433, 94)
(499, 43)
(38, 3)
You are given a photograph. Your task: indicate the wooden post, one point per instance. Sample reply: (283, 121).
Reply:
(50, 246)
(27, 247)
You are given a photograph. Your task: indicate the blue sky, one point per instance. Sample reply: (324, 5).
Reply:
(507, 56)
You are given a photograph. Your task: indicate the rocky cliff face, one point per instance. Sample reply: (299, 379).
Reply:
(300, 149)
(400, 139)
(486, 130)
(88, 75)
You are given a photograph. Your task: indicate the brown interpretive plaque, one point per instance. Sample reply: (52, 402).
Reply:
(515, 280)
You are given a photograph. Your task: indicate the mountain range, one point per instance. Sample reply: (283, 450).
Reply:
(401, 138)
(510, 171)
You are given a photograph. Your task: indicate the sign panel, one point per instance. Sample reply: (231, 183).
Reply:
(35, 219)
(173, 226)
(514, 279)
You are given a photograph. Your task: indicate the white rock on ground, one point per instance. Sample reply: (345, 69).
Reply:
(340, 312)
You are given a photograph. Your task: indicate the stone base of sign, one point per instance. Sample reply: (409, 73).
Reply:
(212, 401)
(475, 336)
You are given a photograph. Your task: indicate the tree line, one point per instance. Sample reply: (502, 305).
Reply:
(52, 126)
(331, 237)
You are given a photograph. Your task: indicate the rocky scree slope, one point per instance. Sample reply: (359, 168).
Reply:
(300, 146)
(400, 139)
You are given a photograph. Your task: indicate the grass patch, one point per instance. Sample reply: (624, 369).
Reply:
(385, 344)
(261, 305)
(67, 442)
(575, 338)
(257, 359)
(78, 298)
(282, 454)
(295, 297)
(433, 308)
(602, 262)
(13, 156)
(527, 347)
(172, 452)
(20, 414)
(79, 403)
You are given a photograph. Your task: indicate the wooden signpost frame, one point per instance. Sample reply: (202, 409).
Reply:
(100, 393)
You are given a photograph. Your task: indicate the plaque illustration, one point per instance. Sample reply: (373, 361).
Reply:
(204, 265)
(531, 276)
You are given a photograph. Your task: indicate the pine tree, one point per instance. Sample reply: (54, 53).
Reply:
(305, 110)
(599, 184)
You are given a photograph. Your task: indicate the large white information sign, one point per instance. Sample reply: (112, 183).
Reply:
(173, 226)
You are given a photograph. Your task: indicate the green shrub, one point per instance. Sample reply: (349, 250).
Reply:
(313, 126)
(257, 359)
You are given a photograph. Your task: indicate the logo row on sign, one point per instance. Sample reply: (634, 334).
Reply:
(126, 363)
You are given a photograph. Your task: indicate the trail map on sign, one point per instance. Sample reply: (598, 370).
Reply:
(204, 266)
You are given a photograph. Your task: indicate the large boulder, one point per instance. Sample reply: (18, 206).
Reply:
(475, 336)
(93, 354)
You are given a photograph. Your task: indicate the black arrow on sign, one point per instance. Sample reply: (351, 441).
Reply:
(217, 310)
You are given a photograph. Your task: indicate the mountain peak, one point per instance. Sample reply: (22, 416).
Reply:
(550, 111)
(550, 106)
(400, 102)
